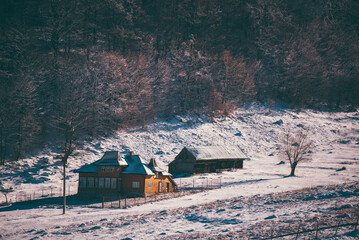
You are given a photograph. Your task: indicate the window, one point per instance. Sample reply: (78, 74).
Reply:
(113, 183)
(90, 182)
(149, 184)
(101, 181)
(82, 182)
(107, 182)
(108, 169)
(135, 185)
(160, 187)
(156, 174)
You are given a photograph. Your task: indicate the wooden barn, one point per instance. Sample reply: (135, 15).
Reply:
(205, 159)
(116, 174)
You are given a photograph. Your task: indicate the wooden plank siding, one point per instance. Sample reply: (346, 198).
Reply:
(187, 163)
(160, 184)
(126, 176)
(129, 186)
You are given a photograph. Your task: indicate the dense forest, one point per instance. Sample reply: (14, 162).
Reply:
(88, 67)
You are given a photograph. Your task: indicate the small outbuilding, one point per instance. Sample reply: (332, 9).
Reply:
(205, 159)
(124, 174)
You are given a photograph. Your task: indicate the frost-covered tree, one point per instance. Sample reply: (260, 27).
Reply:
(5, 191)
(295, 148)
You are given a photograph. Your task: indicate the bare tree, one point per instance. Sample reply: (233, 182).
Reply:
(296, 148)
(71, 109)
(5, 191)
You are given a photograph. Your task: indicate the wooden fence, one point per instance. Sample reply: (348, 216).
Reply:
(315, 231)
(184, 188)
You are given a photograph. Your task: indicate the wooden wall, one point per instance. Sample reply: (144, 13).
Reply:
(155, 184)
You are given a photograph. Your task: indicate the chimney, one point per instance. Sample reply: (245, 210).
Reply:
(131, 153)
(153, 163)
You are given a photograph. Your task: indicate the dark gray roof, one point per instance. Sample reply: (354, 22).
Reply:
(217, 152)
(136, 166)
(112, 158)
(155, 166)
(88, 168)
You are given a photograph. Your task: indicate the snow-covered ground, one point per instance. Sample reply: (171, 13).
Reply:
(335, 134)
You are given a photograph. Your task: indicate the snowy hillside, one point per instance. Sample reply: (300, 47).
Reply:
(335, 134)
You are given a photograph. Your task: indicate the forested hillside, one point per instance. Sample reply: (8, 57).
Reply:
(88, 67)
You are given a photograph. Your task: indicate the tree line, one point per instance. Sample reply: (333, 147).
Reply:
(88, 67)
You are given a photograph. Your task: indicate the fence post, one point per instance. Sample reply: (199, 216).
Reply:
(336, 229)
(119, 201)
(125, 202)
(297, 235)
(193, 183)
(103, 201)
(317, 230)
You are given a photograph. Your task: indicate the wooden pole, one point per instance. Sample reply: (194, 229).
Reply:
(119, 201)
(317, 230)
(125, 203)
(297, 235)
(336, 229)
(356, 224)
(64, 189)
(103, 201)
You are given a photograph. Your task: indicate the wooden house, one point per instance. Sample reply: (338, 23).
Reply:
(205, 159)
(127, 174)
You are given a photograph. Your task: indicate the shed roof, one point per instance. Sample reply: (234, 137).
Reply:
(217, 152)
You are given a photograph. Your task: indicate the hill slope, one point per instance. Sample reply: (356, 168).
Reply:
(336, 137)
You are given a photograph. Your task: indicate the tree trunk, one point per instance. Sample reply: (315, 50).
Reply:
(7, 202)
(293, 166)
(64, 189)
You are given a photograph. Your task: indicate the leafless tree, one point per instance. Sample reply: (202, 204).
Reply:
(295, 148)
(6, 191)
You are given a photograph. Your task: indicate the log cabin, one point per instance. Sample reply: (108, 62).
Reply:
(118, 174)
(205, 159)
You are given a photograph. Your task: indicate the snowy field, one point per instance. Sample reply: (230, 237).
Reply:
(335, 161)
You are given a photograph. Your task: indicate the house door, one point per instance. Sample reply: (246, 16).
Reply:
(167, 187)
(159, 187)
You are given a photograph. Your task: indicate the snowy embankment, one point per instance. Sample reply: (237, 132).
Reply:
(335, 134)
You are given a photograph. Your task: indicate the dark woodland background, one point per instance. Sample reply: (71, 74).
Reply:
(88, 67)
